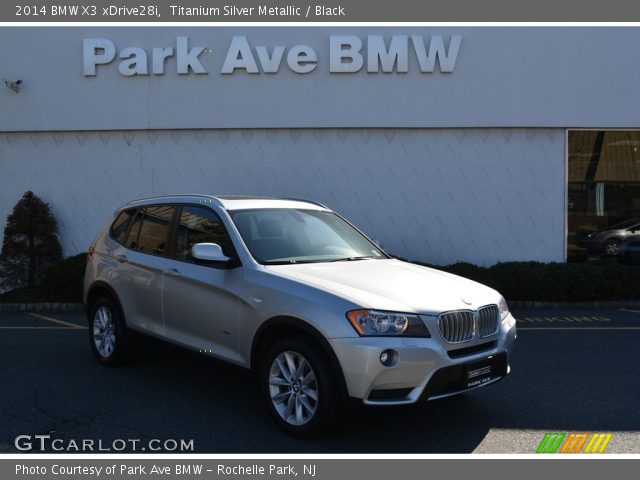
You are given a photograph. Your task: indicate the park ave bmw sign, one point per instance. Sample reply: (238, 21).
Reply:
(347, 54)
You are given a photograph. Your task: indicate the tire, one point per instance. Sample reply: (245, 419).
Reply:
(611, 248)
(108, 333)
(290, 401)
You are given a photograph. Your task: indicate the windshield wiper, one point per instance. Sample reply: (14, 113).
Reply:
(289, 262)
(353, 259)
(294, 262)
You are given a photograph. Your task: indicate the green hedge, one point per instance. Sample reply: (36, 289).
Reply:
(63, 280)
(570, 282)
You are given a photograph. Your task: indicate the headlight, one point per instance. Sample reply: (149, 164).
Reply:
(504, 309)
(386, 324)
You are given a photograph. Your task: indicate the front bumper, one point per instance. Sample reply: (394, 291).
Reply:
(425, 368)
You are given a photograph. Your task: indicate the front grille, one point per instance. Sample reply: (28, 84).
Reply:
(464, 325)
(488, 321)
(457, 327)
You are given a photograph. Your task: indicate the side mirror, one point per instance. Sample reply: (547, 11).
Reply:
(209, 252)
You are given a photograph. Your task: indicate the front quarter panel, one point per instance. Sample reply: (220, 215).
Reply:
(266, 296)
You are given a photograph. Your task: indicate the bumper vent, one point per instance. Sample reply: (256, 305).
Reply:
(464, 325)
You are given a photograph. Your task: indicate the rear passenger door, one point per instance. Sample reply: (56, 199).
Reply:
(201, 302)
(141, 264)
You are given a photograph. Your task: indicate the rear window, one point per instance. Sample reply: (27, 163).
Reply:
(145, 229)
(121, 225)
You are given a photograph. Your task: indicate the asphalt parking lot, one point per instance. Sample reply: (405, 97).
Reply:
(574, 370)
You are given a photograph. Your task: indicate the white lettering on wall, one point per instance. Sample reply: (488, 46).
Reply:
(159, 56)
(347, 54)
(270, 63)
(300, 59)
(397, 53)
(427, 61)
(135, 60)
(345, 47)
(97, 51)
(188, 58)
(239, 56)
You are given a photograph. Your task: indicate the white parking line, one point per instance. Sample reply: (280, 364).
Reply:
(628, 310)
(578, 328)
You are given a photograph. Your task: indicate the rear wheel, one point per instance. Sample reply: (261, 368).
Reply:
(107, 332)
(299, 387)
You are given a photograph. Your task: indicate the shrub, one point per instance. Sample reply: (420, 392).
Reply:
(30, 243)
(63, 280)
(570, 282)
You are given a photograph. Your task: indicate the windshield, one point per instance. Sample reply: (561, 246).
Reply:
(284, 235)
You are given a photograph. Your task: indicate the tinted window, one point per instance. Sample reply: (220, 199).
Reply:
(134, 232)
(121, 225)
(200, 225)
(154, 230)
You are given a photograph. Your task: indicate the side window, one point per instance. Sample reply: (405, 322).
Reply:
(134, 232)
(200, 225)
(120, 226)
(154, 230)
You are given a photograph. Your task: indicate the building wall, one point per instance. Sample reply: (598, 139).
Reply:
(436, 195)
(503, 77)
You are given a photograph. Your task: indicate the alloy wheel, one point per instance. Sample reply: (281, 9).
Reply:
(104, 335)
(293, 388)
(612, 248)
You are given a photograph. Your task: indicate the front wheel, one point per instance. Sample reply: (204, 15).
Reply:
(612, 248)
(299, 388)
(107, 332)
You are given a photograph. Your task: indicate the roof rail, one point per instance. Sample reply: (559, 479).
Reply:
(155, 197)
(313, 202)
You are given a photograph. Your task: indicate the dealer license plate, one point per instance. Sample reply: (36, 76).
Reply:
(478, 374)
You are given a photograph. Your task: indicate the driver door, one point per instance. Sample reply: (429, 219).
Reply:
(201, 301)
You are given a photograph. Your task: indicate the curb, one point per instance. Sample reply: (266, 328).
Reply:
(592, 304)
(42, 307)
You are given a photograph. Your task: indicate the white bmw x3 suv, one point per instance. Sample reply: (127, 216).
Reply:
(293, 290)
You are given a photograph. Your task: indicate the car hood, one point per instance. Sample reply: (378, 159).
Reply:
(391, 285)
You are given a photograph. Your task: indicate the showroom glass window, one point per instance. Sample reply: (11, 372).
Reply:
(603, 193)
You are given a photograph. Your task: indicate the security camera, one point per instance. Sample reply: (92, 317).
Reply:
(15, 86)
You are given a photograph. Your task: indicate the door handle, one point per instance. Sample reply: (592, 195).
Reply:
(173, 272)
(120, 258)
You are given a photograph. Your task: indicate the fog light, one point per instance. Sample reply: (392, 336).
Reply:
(388, 358)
